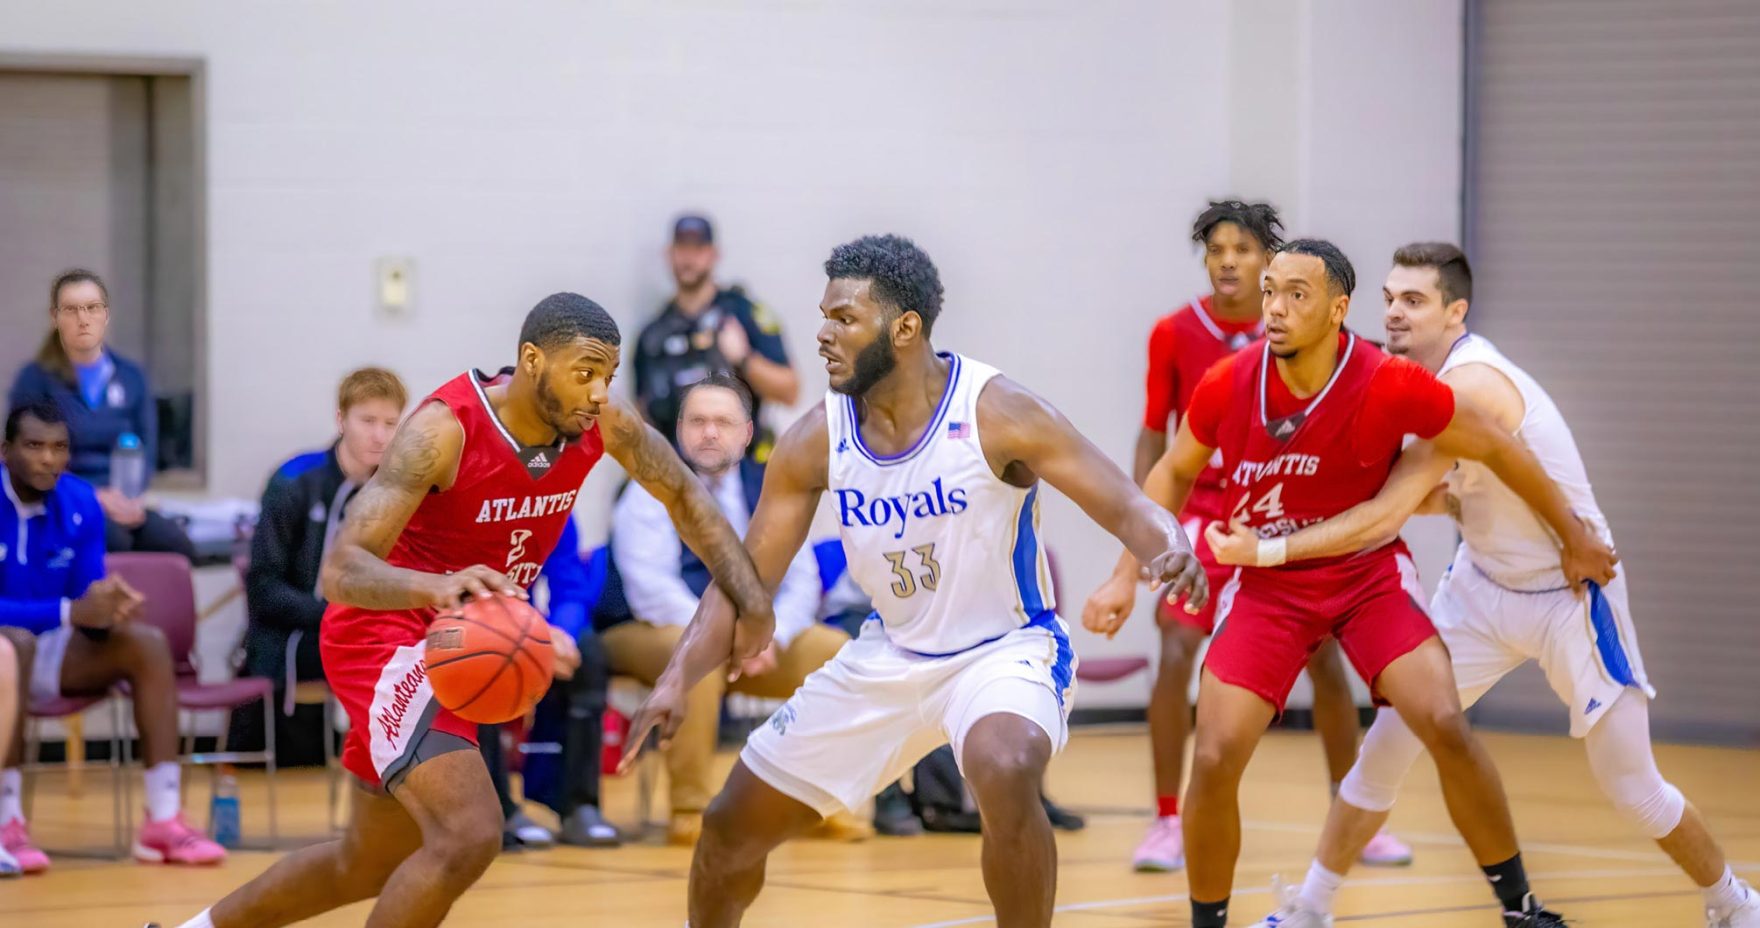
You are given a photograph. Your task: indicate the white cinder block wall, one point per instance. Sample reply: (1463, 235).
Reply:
(1048, 153)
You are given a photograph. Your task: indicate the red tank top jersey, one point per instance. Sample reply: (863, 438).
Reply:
(1312, 459)
(498, 511)
(1182, 347)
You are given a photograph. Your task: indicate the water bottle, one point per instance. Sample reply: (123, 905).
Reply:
(223, 814)
(128, 466)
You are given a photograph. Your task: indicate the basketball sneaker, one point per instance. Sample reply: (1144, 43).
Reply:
(9, 865)
(1533, 915)
(1385, 850)
(15, 840)
(1746, 915)
(1290, 912)
(173, 841)
(1163, 849)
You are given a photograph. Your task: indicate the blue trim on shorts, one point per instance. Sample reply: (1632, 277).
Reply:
(1607, 641)
(1063, 670)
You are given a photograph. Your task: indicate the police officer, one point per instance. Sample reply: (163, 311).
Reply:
(704, 329)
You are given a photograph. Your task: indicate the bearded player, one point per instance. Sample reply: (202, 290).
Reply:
(933, 463)
(1505, 601)
(469, 501)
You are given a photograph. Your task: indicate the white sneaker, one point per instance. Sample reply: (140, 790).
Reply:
(1746, 915)
(1291, 913)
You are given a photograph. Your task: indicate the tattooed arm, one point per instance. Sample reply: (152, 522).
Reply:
(423, 457)
(654, 465)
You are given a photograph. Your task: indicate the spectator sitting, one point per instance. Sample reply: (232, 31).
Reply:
(704, 329)
(72, 627)
(663, 580)
(104, 397)
(573, 712)
(301, 512)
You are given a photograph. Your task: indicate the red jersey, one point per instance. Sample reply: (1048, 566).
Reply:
(507, 505)
(1184, 345)
(1293, 462)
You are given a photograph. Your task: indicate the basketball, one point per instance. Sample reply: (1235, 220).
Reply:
(489, 660)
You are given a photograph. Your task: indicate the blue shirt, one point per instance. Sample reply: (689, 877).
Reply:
(94, 379)
(574, 590)
(127, 405)
(49, 552)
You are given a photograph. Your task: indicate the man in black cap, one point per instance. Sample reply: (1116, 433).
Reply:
(706, 329)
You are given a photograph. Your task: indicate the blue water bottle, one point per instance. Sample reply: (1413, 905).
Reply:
(223, 814)
(128, 466)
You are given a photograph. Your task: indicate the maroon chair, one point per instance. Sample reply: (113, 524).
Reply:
(1097, 669)
(60, 708)
(168, 591)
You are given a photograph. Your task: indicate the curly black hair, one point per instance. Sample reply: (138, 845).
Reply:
(563, 317)
(43, 411)
(1259, 219)
(1340, 276)
(899, 273)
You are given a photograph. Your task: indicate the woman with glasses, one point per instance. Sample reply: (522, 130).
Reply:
(105, 397)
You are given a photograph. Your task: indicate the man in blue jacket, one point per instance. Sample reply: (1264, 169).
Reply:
(72, 627)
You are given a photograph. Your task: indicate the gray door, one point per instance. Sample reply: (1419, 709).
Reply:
(1614, 217)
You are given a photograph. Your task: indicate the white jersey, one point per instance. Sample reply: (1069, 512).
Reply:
(1503, 536)
(949, 553)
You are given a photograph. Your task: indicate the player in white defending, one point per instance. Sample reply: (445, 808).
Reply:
(1503, 602)
(932, 463)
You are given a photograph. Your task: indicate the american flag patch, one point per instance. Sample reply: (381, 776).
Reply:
(959, 430)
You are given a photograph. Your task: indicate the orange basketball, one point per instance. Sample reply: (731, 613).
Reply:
(489, 660)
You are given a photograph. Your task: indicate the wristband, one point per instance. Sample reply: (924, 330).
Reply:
(1273, 551)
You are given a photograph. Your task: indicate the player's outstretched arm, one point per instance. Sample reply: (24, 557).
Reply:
(653, 463)
(793, 482)
(1366, 525)
(1476, 434)
(423, 457)
(1020, 429)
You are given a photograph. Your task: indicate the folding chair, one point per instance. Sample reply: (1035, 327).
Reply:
(72, 708)
(165, 582)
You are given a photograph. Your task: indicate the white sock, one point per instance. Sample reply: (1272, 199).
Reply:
(164, 781)
(203, 920)
(1727, 894)
(1318, 889)
(11, 796)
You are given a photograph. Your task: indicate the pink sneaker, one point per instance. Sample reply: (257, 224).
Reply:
(15, 837)
(1163, 849)
(174, 842)
(1385, 850)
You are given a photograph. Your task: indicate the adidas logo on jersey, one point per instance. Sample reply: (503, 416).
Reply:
(539, 460)
(1592, 706)
(842, 445)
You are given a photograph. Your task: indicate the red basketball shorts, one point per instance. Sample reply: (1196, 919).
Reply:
(374, 664)
(1272, 620)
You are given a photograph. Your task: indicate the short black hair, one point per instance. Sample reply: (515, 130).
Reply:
(563, 317)
(899, 273)
(42, 410)
(1454, 276)
(1259, 219)
(1339, 273)
(726, 380)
